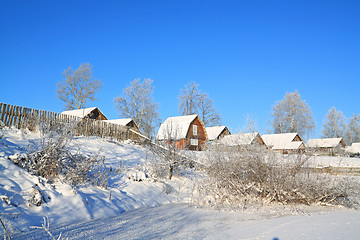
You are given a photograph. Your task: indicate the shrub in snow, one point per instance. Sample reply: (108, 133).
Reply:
(136, 175)
(235, 176)
(36, 196)
(53, 159)
(170, 161)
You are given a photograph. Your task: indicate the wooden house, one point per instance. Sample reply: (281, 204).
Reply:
(127, 122)
(185, 132)
(327, 145)
(93, 113)
(284, 142)
(353, 150)
(243, 139)
(217, 132)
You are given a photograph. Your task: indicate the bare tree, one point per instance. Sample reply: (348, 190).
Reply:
(250, 124)
(188, 99)
(334, 126)
(193, 101)
(352, 134)
(137, 103)
(78, 87)
(207, 112)
(292, 115)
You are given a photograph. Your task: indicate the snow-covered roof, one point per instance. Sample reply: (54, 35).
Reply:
(354, 148)
(214, 132)
(79, 112)
(239, 139)
(175, 127)
(280, 140)
(289, 146)
(122, 121)
(324, 143)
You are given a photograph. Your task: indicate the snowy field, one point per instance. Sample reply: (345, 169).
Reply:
(148, 209)
(179, 221)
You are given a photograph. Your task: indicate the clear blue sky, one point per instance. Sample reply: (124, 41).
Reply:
(245, 54)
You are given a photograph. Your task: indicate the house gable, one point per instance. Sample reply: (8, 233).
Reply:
(217, 132)
(92, 113)
(181, 130)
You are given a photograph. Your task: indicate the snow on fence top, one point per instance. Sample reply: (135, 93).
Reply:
(325, 143)
(175, 127)
(214, 132)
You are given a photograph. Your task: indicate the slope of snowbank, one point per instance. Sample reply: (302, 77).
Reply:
(66, 205)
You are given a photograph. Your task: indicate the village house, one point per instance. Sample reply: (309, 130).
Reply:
(217, 132)
(353, 150)
(185, 132)
(243, 139)
(127, 122)
(326, 145)
(284, 142)
(92, 113)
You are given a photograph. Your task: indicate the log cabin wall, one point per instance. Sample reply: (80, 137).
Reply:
(224, 133)
(200, 135)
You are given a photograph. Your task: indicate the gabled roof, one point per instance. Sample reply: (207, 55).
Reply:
(325, 143)
(280, 140)
(214, 132)
(122, 121)
(354, 148)
(239, 139)
(289, 146)
(81, 112)
(175, 127)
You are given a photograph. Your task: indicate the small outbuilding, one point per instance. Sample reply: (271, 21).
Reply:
(185, 132)
(243, 139)
(284, 142)
(353, 150)
(92, 113)
(217, 132)
(127, 122)
(327, 145)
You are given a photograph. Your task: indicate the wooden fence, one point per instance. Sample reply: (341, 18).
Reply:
(34, 120)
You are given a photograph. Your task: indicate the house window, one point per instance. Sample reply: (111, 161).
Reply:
(194, 130)
(194, 142)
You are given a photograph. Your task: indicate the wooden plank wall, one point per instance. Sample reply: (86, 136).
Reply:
(34, 120)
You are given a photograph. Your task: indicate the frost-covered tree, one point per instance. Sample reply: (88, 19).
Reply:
(250, 125)
(334, 126)
(188, 99)
(207, 112)
(78, 87)
(137, 103)
(292, 115)
(194, 101)
(352, 134)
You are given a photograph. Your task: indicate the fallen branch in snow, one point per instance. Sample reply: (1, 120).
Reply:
(46, 226)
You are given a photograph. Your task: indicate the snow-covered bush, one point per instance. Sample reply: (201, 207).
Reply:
(170, 162)
(237, 176)
(53, 159)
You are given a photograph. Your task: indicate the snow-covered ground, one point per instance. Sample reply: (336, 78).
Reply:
(148, 209)
(179, 221)
(65, 204)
